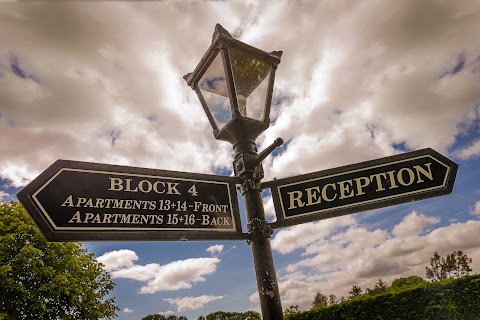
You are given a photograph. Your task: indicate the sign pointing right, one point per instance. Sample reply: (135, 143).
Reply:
(364, 186)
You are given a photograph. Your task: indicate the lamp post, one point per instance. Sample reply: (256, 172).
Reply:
(234, 83)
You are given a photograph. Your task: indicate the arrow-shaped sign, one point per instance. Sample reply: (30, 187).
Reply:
(83, 201)
(365, 186)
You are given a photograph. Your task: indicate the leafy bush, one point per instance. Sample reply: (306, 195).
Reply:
(453, 299)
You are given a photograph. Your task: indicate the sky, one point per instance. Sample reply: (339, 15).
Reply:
(358, 80)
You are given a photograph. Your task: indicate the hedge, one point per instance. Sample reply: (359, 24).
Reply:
(453, 299)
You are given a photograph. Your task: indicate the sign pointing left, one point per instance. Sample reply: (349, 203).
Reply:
(80, 201)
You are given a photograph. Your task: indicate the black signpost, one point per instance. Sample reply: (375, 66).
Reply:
(364, 186)
(82, 201)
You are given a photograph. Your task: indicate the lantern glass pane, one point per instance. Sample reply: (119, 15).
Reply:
(213, 86)
(251, 78)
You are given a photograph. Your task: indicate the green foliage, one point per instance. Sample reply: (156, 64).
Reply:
(162, 317)
(410, 282)
(453, 299)
(380, 287)
(292, 309)
(154, 317)
(44, 280)
(252, 315)
(332, 299)
(455, 265)
(354, 292)
(221, 315)
(320, 301)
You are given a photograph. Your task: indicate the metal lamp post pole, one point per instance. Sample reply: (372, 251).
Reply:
(233, 69)
(247, 165)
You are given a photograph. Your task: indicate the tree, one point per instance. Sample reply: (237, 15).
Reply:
(44, 280)
(354, 292)
(252, 315)
(407, 282)
(332, 299)
(320, 301)
(380, 287)
(292, 309)
(222, 315)
(455, 265)
(458, 264)
(155, 317)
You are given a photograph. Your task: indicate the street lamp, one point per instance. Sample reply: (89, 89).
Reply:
(234, 83)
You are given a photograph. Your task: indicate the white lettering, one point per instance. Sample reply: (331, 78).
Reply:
(360, 185)
(295, 196)
(142, 187)
(346, 189)
(116, 184)
(68, 201)
(324, 192)
(411, 176)
(76, 218)
(172, 188)
(313, 196)
(428, 174)
(155, 187)
(205, 219)
(378, 180)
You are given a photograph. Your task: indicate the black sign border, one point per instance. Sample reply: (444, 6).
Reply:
(374, 204)
(26, 199)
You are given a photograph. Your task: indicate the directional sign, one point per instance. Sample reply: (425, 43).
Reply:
(87, 201)
(369, 185)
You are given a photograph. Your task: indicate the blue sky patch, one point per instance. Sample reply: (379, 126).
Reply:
(401, 147)
(114, 134)
(11, 191)
(152, 117)
(18, 70)
(223, 172)
(460, 64)
(15, 66)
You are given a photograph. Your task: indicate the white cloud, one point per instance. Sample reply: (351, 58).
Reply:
(472, 151)
(3, 196)
(192, 303)
(181, 274)
(127, 310)
(289, 239)
(95, 83)
(118, 259)
(215, 249)
(413, 224)
(392, 84)
(118, 90)
(138, 272)
(332, 263)
(167, 313)
(269, 208)
(476, 209)
(176, 275)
